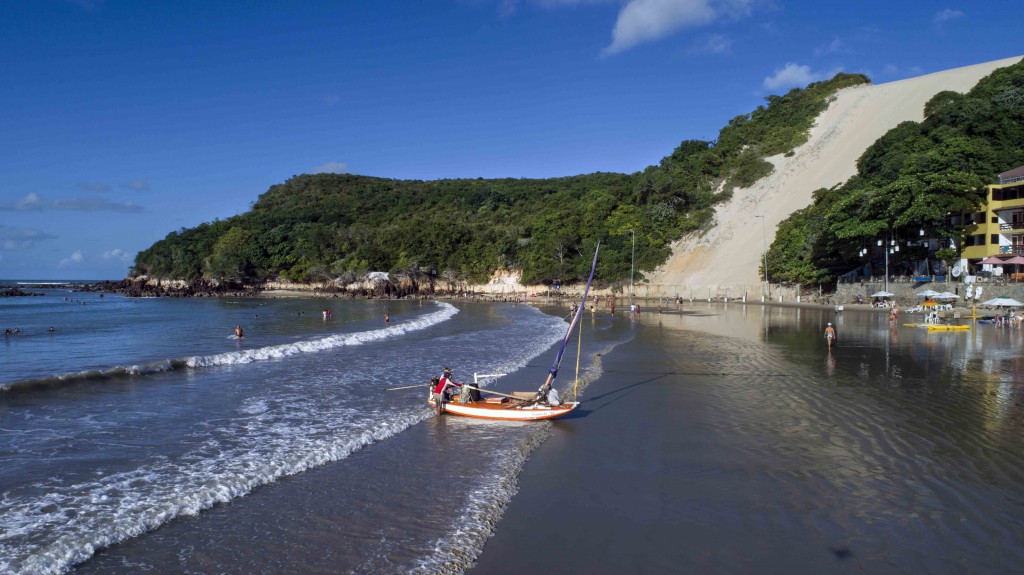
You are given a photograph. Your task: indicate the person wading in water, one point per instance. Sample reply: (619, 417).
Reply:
(830, 335)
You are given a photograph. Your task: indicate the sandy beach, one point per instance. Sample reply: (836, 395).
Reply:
(726, 257)
(746, 447)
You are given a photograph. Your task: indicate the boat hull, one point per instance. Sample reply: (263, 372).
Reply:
(949, 328)
(508, 412)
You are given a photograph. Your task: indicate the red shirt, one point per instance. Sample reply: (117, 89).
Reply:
(445, 381)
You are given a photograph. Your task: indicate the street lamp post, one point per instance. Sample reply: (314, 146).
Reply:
(632, 265)
(891, 248)
(764, 238)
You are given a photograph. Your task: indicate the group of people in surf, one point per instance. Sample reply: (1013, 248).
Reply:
(17, 330)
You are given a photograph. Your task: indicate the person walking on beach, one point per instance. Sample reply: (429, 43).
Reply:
(830, 335)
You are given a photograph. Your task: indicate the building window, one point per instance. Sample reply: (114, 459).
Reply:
(995, 219)
(994, 240)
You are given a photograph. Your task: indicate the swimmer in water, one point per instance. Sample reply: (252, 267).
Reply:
(238, 332)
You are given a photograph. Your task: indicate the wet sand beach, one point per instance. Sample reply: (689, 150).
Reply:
(726, 439)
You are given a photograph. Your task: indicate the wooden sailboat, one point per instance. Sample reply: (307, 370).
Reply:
(524, 405)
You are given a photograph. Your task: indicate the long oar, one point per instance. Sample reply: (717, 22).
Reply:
(406, 387)
(489, 392)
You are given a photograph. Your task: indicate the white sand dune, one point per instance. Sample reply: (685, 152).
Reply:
(724, 260)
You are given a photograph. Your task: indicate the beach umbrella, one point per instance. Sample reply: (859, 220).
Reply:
(928, 293)
(1003, 302)
(881, 294)
(993, 261)
(947, 295)
(1014, 261)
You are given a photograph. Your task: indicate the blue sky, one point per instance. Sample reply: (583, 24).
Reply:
(122, 121)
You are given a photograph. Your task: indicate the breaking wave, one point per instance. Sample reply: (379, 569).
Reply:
(272, 352)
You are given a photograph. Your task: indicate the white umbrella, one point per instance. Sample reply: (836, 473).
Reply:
(928, 293)
(947, 295)
(1003, 302)
(881, 294)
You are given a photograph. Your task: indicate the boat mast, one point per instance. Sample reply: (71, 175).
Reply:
(553, 372)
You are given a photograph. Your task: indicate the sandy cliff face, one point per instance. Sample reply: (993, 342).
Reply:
(726, 258)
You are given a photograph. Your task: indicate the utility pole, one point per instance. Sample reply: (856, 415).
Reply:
(632, 265)
(764, 238)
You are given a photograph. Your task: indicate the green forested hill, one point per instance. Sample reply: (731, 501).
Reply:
(910, 180)
(320, 226)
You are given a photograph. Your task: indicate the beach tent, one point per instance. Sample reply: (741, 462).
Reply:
(1003, 302)
(881, 294)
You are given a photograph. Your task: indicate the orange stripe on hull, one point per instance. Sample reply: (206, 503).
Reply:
(502, 411)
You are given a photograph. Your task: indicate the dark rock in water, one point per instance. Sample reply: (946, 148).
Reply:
(196, 288)
(15, 292)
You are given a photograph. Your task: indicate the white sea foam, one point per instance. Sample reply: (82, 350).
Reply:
(446, 312)
(273, 436)
(113, 508)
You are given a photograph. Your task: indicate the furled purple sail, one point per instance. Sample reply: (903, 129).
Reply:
(576, 318)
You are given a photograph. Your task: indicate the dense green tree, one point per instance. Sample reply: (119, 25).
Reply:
(913, 178)
(319, 226)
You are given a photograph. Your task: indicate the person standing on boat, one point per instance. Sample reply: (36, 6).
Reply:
(441, 392)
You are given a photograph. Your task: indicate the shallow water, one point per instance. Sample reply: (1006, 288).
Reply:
(728, 439)
(132, 429)
(282, 452)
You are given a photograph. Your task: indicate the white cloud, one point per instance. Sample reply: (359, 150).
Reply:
(331, 168)
(33, 202)
(136, 185)
(93, 186)
(117, 254)
(648, 20)
(713, 44)
(947, 15)
(76, 257)
(794, 75)
(18, 239)
(832, 47)
(560, 3)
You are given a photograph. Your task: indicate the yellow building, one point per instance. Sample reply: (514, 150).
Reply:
(999, 227)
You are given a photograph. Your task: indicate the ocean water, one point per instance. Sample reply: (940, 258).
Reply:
(141, 435)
